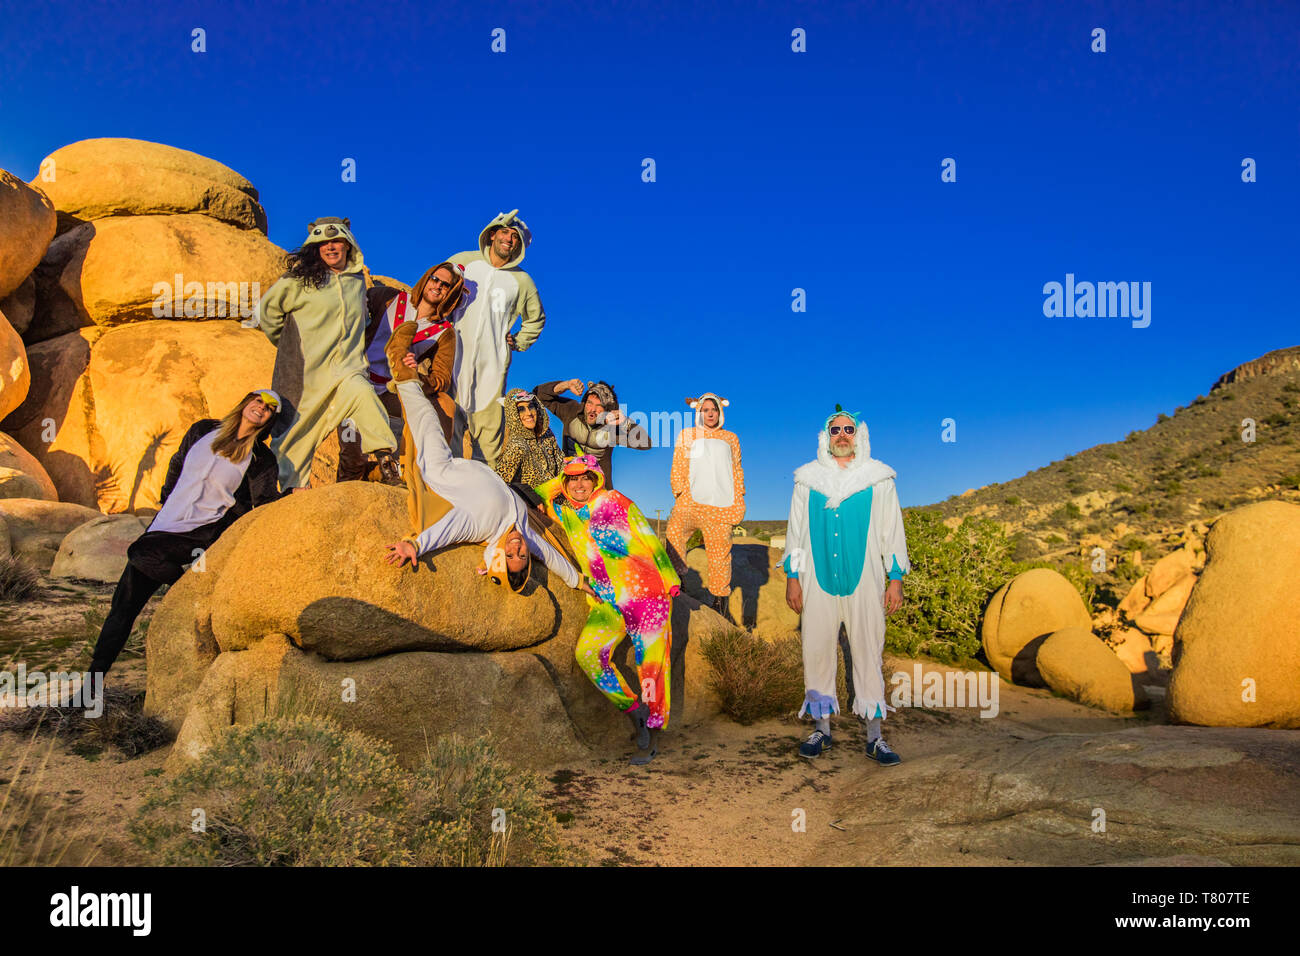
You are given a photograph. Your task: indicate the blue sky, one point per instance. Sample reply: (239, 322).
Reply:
(775, 170)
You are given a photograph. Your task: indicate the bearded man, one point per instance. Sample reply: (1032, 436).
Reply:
(845, 558)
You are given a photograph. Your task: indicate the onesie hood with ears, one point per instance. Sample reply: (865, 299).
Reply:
(332, 229)
(512, 220)
(722, 404)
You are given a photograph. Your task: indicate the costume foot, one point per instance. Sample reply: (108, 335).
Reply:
(641, 759)
(638, 715)
(815, 744)
(879, 751)
(399, 343)
(723, 606)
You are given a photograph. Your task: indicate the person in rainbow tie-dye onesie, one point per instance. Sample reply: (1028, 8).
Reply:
(634, 581)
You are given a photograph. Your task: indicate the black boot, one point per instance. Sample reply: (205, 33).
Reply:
(723, 606)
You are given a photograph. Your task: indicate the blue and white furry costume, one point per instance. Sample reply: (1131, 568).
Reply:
(844, 541)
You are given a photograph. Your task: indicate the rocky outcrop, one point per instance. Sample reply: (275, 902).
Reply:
(21, 475)
(138, 268)
(1139, 794)
(1020, 616)
(1271, 363)
(1075, 663)
(26, 228)
(15, 373)
(109, 408)
(96, 550)
(1237, 647)
(296, 608)
(102, 178)
(37, 528)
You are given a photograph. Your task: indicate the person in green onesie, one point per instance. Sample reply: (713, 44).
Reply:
(315, 315)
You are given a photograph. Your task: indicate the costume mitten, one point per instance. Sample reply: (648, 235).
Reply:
(399, 343)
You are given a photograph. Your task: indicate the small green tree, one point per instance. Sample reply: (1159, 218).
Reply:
(953, 575)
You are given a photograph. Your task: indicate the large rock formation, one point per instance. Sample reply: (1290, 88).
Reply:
(26, 228)
(1223, 795)
(20, 305)
(15, 373)
(1237, 646)
(21, 475)
(138, 268)
(36, 528)
(295, 608)
(106, 190)
(1020, 616)
(96, 550)
(108, 409)
(1075, 663)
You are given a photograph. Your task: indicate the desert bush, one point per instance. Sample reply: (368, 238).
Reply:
(301, 791)
(753, 678)
(953, 575)
(1123, 487)
(458, 793)
(1012, 500)
(18, 579)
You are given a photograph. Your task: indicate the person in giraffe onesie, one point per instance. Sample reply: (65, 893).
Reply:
(634, 581)
(709, 486)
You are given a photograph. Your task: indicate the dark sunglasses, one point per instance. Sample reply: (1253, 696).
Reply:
(847, 429)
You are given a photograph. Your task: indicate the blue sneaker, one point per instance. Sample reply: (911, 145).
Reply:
(815, 744)
(879, 751)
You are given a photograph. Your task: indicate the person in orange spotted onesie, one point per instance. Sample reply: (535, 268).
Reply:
(709, 485)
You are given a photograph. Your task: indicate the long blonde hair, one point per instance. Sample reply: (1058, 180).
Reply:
(228, 443)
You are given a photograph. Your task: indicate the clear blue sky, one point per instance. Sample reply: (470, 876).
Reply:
(775, 170)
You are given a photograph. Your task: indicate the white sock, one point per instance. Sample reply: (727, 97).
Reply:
(873, 730)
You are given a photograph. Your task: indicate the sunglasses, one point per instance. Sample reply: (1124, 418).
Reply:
(434, 280)
(847, 429)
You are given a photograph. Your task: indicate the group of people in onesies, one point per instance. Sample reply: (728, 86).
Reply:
(413, 384)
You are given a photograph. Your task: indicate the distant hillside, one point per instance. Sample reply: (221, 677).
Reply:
(1146, 491)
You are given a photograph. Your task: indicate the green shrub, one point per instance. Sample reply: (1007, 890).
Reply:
(1066, 513)
(1013, 500)
(953, 575)
(1113, 455)
(1123, 487)
(300, 791)
(1161, 418)
(1173, 487)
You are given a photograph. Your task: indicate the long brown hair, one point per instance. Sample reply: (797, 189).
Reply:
(228, 443)
(451, 299)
